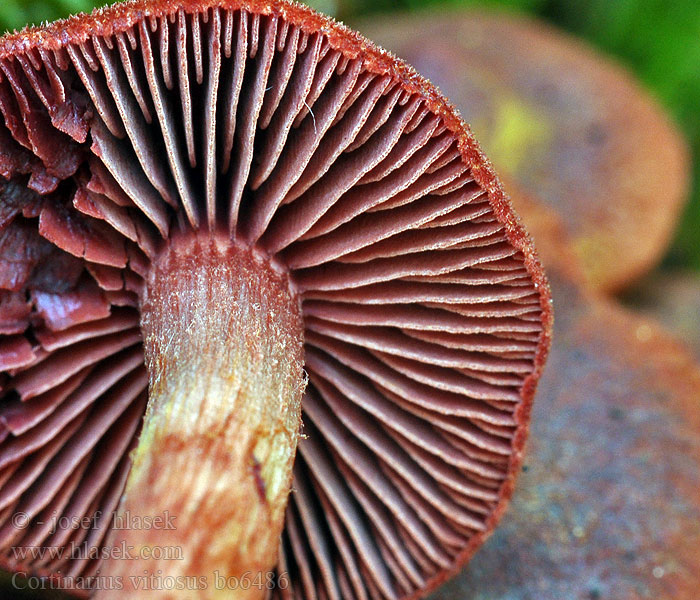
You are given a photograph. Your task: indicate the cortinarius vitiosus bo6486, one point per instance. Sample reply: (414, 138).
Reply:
(209, 199)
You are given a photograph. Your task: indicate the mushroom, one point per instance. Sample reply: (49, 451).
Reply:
(608, 506)
(205, 202)
(569, 126)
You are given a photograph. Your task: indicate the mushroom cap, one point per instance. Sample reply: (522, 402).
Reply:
(608, 506)
(426, 312)
(570, 127)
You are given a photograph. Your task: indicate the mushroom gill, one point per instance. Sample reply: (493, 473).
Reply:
(170, 167)
(567, 125)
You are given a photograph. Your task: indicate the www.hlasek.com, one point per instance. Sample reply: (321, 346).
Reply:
(72, 551)
(155, 581)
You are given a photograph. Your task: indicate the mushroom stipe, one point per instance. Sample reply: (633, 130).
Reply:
(228, 229)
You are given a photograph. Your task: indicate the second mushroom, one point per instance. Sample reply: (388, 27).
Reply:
(230, 231)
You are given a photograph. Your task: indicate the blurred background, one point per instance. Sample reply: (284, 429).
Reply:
(658, 40)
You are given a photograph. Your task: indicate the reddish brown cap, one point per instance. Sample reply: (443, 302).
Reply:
(572, 128)
(426, 312)
(608, 506)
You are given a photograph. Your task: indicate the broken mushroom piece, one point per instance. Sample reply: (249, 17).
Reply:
(233, 195)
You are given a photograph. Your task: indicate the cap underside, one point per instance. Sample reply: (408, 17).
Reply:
(426, 313)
